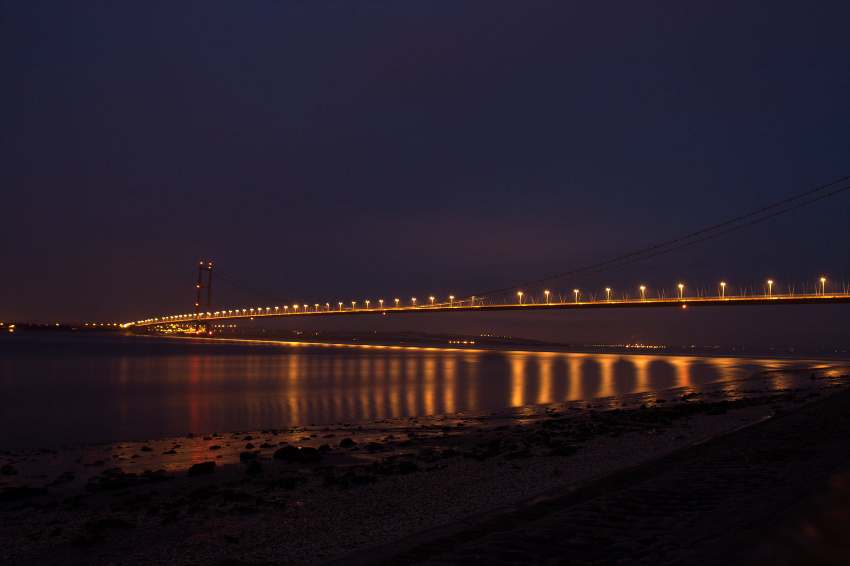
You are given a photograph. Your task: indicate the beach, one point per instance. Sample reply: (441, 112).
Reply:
(562, 481)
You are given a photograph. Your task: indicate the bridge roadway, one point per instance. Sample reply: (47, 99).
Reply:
(468, 306)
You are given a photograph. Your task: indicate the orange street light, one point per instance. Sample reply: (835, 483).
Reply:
(520, 297)
(642, 293)
(681, 290)
(396, 303)
(769, 287)
(823, 285)
(451, 298)
(432, 301)
(547, 297)
(576, 292)
(723, 289)
(608, 292)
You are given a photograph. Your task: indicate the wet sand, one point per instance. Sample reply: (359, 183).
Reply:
(442, 489)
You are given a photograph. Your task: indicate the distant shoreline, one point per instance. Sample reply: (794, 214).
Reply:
(468, 342)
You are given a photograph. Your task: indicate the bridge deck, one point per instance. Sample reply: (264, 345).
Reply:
(466, 306)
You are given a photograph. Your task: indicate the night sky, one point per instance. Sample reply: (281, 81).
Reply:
(339, 151)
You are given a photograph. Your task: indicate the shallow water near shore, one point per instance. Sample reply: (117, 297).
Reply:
(72, 388)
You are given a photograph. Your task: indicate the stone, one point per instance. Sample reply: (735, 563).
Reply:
(202, 468)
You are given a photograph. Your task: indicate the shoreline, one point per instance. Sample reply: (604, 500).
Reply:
(325, 496)
(840, 357)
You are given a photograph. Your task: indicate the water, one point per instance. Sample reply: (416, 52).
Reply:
(73, 388)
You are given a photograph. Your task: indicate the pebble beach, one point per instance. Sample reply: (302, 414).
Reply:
(644, 478)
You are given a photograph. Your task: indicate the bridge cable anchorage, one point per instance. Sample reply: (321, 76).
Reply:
(578, 273)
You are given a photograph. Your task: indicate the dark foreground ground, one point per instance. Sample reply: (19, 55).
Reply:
(755, 471)
(774, 493)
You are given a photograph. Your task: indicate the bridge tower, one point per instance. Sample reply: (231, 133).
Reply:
(198, 304)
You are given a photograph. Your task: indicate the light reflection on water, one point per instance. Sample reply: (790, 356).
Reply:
(75, 390)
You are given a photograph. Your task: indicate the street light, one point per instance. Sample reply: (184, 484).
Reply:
(722, 289)
(396, 303)
(294, 308)
(432, 301)
(381, 301)
(642, 293)
(547, 297)
(681, 290)
(286, 309)
(769, 287)
(414, 301)
(451, 298)
(276, 309)
(340, 305)
(576, 292)
(353, 304)
(367, 305)
(823, 285)
(520, 297)
(608, 292)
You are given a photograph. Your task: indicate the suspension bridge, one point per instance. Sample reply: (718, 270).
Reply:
(536, 295)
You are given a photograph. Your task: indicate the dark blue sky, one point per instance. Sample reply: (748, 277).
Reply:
(351, 150)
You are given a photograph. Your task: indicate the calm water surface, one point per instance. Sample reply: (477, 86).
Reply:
(72, 388)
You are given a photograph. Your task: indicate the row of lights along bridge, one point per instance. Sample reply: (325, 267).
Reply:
(317, 307)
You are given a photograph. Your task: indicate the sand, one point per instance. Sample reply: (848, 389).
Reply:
(426, 490)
